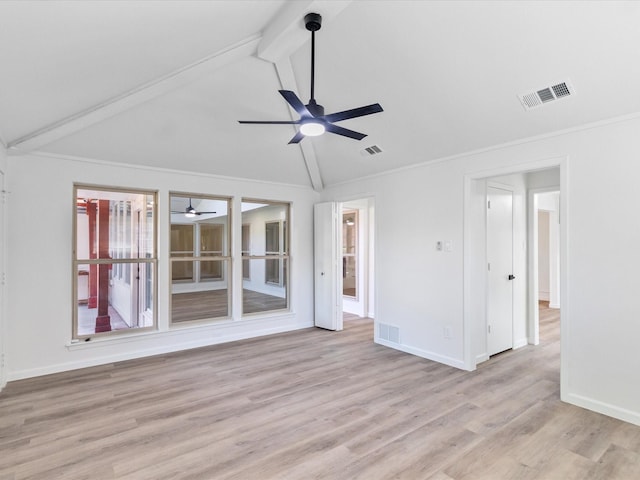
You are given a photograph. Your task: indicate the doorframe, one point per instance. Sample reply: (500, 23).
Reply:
(474, 282)
(365, 210)
(370, 280)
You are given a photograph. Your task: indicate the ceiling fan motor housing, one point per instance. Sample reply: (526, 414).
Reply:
(313, 21)
(315, 109)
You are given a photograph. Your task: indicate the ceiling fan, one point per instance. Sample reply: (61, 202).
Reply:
(191, 212)
(313, 121)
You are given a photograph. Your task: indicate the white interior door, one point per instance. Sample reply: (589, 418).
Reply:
(327, 266)
(500, 270)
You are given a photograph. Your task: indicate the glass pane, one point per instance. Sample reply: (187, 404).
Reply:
(212, 239)
(106, 303)
(259, 296)
(265, 227)
(199, 228)
(273, 271)
(246, 247)
(191, 302)
(272, 237)
(182, 270)
(349, 276)
(182, 240)
(349, 232)
(113, 224)
(210, 270)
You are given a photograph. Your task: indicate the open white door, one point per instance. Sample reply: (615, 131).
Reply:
(500, 270)
(327, 274)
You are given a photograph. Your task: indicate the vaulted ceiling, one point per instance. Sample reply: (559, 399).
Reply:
(163, 83)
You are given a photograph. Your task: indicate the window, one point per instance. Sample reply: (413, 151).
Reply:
(114, 260)
(265, 252)
(200, 258)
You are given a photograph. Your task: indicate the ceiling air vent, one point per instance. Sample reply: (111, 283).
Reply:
(544, 95)
(372, 150)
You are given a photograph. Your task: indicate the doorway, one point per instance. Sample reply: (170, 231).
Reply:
(523, 179)
(357, 222)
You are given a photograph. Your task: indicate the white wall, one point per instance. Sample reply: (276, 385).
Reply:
(40, 274)
(415, 207)
(3, 316)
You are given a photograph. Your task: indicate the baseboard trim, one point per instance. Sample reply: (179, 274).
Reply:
(203, 341)
(483, 357)
(452, 362)
(603, 408)
(521, 342)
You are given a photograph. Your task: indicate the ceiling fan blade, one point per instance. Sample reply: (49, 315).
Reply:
(353, 113)
(345, 132)
(275, 122)
(205, 213)
(293, 100)
(297, 138)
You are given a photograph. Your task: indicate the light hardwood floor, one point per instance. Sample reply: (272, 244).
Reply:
(311, 404)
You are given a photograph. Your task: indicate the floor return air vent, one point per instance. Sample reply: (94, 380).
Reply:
(389, 333)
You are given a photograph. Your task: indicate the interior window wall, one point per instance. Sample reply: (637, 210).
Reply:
(200, 257)
(114, 260)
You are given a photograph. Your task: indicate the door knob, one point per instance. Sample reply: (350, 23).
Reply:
(511, 277)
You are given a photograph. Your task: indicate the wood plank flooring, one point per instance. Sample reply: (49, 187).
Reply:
(311, 404)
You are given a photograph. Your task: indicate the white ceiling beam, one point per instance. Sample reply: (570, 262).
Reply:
(134, 97)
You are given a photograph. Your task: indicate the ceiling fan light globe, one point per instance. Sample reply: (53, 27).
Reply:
(312, 129)
(190, 214)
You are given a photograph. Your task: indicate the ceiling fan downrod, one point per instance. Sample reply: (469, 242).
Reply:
(313, 22)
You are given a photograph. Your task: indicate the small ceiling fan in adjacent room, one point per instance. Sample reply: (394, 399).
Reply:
(313, 121)
(191, 212)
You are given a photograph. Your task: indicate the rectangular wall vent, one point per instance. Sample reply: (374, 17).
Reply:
(372, 150)
(544, 95)
(389, 333)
